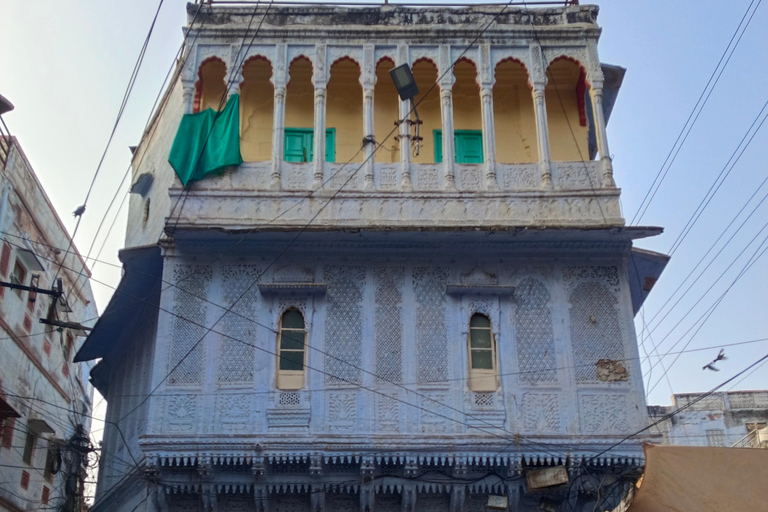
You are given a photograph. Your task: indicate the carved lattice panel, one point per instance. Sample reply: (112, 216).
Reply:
(595, 329)
(389, 324)
(181, 413)
(344, 324)
(233, 413)
(387, 414)
(535, 337)
(431, 343)
(541, 412)
(185, 364)
(604, 414)
(342, 411)
(236, 358)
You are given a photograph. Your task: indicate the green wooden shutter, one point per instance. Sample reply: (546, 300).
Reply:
(298, 145)
(438, 146)
(330, 144)
(469, 147)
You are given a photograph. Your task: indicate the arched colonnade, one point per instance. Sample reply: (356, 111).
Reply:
(502, 106)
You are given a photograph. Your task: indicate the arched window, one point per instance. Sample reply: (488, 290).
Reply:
(483, 370)
(291, 350)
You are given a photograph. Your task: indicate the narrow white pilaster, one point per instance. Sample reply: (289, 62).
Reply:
(542, 132)
(404, 133)
(188, 95)
(368, 138)
(489, 136)
(319, 157)
(278, 118)
(446, 102)
(278, 136)
(596, 93)
(446, 112)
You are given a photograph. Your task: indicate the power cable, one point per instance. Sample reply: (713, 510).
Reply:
(121, 110)
(691, 121)
(174, 65)
(681, 409)
(273, 331)
(711, 287)
(711, 247)
(750, 263)
(707, 197)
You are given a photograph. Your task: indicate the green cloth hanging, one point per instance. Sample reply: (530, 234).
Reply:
(207, 142)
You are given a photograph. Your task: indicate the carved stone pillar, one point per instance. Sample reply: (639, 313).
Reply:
(319, 158)
(446, 112)
(367, 497)
(261, 498)
(408, 503)
(542, 132)
(234, 88)
(489, 136)
(278, 136)
(368, 81)
(446, 102)
(369, 145)
(458, 497)
(208, 497)
(404, 133)
(596, 92)
(317, 499)
(188, 95)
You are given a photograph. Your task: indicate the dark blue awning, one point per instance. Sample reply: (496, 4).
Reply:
(135, 301)
(645, 267)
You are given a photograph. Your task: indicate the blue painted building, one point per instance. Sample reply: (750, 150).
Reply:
(378, 310)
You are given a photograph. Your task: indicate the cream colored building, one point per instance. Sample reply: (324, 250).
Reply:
(45, 398)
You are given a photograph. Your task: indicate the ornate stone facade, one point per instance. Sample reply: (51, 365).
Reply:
(387, 264)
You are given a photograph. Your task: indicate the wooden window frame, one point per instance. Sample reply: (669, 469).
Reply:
(30, 445)
(291, 380)
(482, 379)
(16, 280)
(308, 143)
(459, 157)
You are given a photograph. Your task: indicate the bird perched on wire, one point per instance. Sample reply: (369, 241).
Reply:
(79, 211)
(711, 366)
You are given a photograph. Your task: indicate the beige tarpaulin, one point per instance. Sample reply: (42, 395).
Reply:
(703, 479)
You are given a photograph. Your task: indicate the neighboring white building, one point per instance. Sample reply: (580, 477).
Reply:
(45, 399)
(734, 418)
(400, 332)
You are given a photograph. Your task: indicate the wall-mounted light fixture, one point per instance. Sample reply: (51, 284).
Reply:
(407, 89)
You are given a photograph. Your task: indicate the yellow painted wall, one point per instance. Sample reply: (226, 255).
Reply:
(428, 102)
(467, 114)
(344, 110)
(213, 83)
(563, 77)
(513, 114)
(300, 95)
(256, 111)
(386, 111)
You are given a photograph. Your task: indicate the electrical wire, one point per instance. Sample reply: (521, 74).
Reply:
(691, 121)
(682, 408)
(715, 185)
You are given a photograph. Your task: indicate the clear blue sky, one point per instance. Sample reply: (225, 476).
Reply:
(65, 65)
